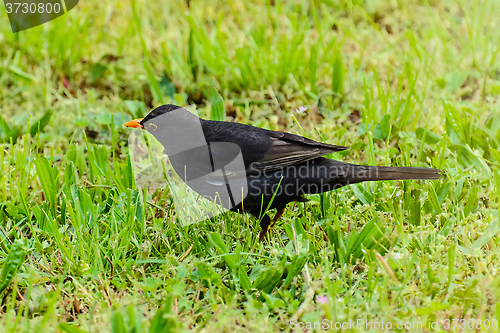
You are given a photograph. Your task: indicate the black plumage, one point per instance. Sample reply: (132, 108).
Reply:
(279, 164)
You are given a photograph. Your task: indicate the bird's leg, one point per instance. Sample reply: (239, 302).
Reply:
(264, 224)
(279, 213)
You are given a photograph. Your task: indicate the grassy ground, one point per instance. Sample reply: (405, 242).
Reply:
(83, 249)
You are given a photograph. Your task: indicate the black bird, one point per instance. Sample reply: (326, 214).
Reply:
(276, 168)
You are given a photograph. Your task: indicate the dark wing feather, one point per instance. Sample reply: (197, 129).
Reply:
(265, 150)
(289, 149)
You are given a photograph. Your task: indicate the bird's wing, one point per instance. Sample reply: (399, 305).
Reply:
(289, 149)
(262, 149)
(289, 137)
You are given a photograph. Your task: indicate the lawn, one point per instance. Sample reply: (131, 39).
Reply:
(85, 248)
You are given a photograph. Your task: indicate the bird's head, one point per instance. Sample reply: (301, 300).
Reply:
(174, 127)
(162, 116)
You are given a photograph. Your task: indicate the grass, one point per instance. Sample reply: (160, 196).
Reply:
(84, 249)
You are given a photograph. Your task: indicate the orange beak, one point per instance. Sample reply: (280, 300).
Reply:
(136, 123)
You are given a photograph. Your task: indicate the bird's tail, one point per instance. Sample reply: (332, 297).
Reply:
(352, 173)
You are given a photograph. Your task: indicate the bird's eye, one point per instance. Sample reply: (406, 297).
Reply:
(152, 127)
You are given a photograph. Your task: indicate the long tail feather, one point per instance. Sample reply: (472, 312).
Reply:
(374, 173)
(352, 173)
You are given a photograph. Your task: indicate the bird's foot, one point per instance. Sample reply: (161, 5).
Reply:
(266, 225)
